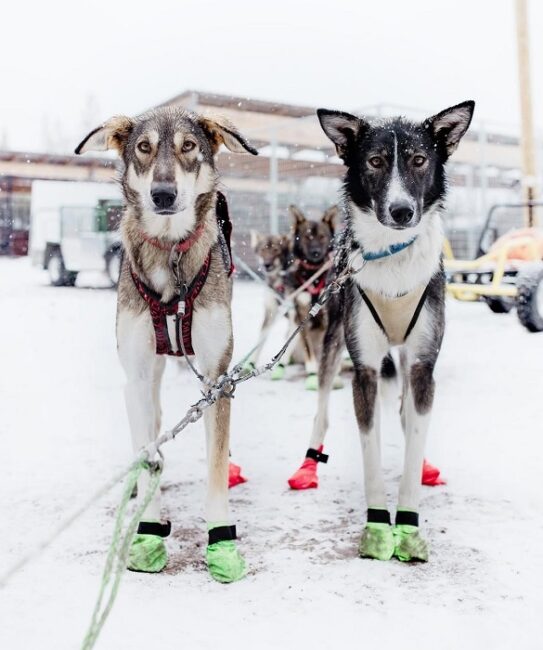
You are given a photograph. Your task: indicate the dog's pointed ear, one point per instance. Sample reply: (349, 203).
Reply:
(285, 242)
(255, 239)
(113, 134)
(449, 126)
(330, 216)
(297, 215)
(342, 128)
(221, 131)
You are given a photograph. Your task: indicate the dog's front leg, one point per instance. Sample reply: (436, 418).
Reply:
(302, 307)
(417, 400)
(270, 312)
(213, 343)
(377, 539)
(143, 371)
(306, 476)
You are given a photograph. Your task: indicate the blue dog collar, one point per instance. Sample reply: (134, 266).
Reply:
(387, 252)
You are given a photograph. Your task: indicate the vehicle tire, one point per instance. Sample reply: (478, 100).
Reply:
(56, 269)
(114, 260)
(500, 305)
(530, 297)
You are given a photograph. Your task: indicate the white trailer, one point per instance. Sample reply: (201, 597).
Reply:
(74, 227)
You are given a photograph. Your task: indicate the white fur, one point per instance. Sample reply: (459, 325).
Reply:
(143, 371)
(415, 426)
(396, 191)
(160, 279)
(189, 186)
(403, 271)
(211, 331)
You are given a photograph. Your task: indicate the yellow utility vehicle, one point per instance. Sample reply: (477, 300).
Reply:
(507, 272)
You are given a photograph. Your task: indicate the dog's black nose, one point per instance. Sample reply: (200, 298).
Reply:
(401, 212)
(163, 195)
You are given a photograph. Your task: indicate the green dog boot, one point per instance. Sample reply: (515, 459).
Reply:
(312, 382)
(377, 541)
(409, 546)
(278, 372)
(225, 562)
(248, 367)
(148, 554)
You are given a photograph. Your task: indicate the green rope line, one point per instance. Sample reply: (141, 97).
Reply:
(117, 556)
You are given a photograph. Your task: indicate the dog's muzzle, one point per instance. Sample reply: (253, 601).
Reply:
(164, 196)
(401, 213)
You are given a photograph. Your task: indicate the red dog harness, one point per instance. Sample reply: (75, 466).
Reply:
(304, 271)
(182, 305)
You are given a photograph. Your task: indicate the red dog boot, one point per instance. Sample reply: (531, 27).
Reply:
(430, 475)
(306, 477)
(234, 475)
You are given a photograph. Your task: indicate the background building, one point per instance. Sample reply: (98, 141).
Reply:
(296, 164)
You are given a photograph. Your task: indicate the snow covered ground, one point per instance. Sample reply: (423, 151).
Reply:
(63, 431)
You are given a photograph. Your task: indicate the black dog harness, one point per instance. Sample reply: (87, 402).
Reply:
(405, 302)
(182, 305)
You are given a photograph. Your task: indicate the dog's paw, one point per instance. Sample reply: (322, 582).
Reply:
(225, 562)
(312, 382)
(147, 554)
(431, 475)
(377, 541)
(278, 372)
(409, 545)
(305, 477)
(234, 475)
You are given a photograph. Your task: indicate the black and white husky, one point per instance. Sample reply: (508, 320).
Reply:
(394, 191)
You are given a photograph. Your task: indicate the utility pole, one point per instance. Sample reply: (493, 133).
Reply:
(527, 128)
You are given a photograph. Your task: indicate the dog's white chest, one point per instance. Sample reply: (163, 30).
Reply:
(396, 315)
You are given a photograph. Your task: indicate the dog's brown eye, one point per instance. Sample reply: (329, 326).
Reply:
(188, 145)
(376, 162)
(144, 147)
(419, 160)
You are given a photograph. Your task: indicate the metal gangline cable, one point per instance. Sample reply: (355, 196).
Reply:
(116, 559)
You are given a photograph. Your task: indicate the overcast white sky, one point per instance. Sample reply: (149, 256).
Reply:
(129, 56)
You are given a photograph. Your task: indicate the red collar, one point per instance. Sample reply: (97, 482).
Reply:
(181, 246)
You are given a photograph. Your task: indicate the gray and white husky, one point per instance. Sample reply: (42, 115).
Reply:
(393, 191)
(175, 289)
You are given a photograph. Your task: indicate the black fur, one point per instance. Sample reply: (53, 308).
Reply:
(370, 149)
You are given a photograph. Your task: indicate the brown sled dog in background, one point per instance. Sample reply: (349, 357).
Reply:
(274, 258)
(311, 250)
(175, 232)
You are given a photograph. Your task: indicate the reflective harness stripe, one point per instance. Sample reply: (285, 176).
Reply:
(183, 317)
